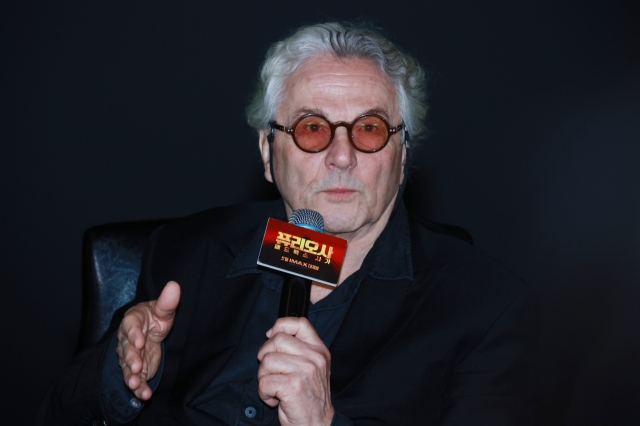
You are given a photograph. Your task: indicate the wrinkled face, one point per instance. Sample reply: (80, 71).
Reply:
(354, 191)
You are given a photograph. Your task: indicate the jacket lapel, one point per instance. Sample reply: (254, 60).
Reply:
(378, 313)
(218, 315)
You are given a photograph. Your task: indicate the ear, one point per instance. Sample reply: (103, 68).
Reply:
(403, 162)
(264, 152)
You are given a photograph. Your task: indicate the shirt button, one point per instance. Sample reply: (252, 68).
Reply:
(135, 403)
(250, 412)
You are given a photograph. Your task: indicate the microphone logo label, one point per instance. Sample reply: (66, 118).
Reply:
(303, 252)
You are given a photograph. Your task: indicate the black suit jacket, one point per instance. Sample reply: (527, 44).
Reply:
(453, 346)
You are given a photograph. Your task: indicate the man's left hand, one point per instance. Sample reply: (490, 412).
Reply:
(295, 366)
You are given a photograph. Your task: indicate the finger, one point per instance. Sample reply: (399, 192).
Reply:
(278, 363)
(143, 392)
(269, 386)
(132, 380)
(133, 344)
(273, 387)
(138, 386)
(151, 360)
(137, 380)
(165, 307)
(301, 328)
(131, 356)
(136, 337)
(284, 343)
(133, 324)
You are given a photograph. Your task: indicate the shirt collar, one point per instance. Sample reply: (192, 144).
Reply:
(388, 259)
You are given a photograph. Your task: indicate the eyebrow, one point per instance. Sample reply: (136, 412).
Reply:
(304, 111)
(377, 111)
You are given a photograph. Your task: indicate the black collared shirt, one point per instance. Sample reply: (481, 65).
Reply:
(233, 394)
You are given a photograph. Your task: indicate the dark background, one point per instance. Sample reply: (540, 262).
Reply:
(115, 111)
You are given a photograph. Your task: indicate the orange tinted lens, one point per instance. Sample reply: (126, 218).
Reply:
(370, 133)
(313, 133)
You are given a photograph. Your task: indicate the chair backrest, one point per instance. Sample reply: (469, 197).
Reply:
(111, 258)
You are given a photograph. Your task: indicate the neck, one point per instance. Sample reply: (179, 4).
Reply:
(359, 245)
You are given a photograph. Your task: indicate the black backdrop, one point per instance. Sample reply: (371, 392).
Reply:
(114, 111)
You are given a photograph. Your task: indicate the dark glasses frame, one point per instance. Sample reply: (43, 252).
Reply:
(391, 130)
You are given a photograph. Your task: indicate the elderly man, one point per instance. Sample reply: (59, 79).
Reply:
(422, 328)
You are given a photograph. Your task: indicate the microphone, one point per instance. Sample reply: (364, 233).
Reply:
(296, 291)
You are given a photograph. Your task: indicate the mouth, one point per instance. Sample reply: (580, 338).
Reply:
(338, 194)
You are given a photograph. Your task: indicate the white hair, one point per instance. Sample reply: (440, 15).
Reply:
(343, 40)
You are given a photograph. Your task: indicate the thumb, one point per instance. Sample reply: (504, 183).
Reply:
(166, 305)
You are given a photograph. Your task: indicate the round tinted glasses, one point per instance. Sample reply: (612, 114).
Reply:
(314, 133)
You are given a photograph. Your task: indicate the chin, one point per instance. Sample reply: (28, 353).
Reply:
(340, 217)
(339, 223)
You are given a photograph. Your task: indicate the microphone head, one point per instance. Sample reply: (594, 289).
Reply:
(309, 219)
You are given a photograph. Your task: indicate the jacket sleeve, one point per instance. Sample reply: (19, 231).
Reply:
(120, 402)
(76, 397)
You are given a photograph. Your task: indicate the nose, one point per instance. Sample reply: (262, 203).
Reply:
(341, 154)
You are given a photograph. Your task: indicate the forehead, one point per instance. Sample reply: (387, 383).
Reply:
(341, 89)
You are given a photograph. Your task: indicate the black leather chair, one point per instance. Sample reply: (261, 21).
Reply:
(111, 258)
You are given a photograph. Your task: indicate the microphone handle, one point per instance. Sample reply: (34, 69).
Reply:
(295, 298)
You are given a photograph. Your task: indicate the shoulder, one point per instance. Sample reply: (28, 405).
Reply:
(470, 279)
(223, 225)
(486, 309)
(177, 249)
